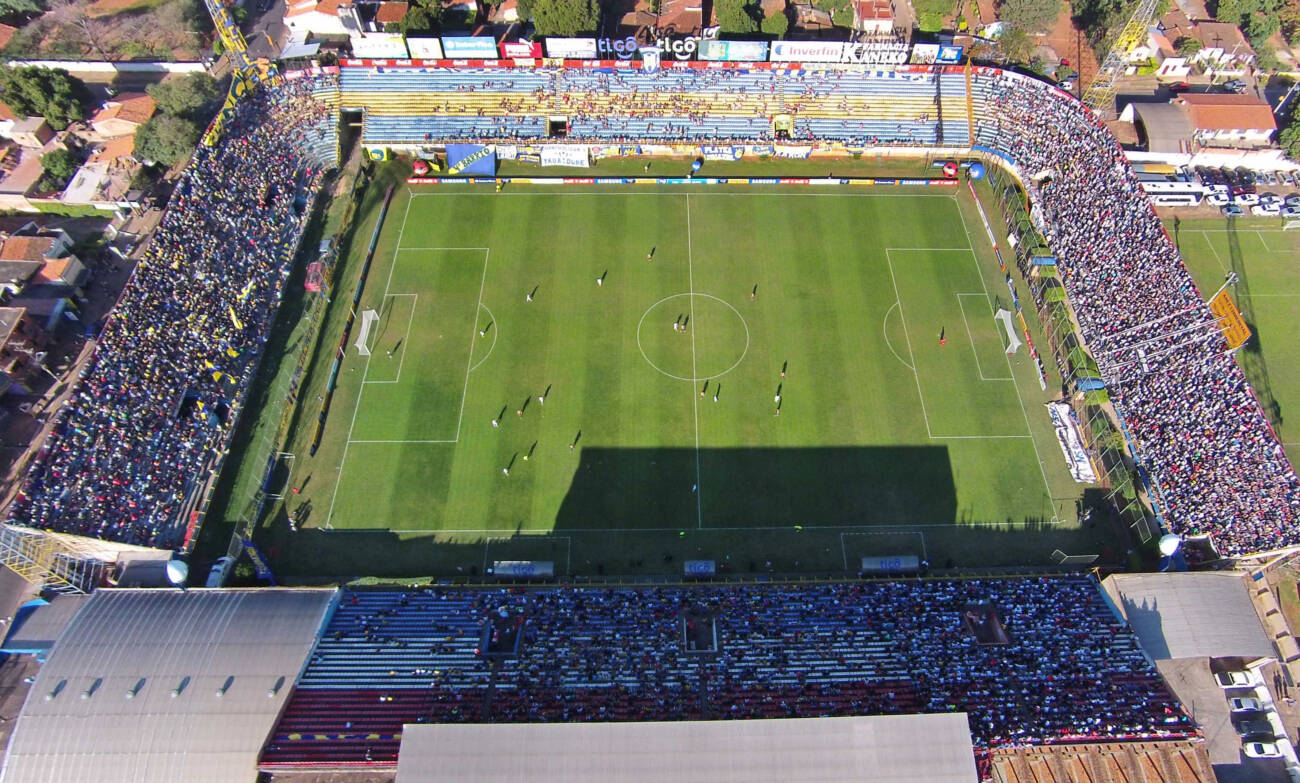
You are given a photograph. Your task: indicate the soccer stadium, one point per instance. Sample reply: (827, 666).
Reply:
(809, 470)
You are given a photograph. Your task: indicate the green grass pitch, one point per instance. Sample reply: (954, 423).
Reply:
(1263, 257)
(630, 443)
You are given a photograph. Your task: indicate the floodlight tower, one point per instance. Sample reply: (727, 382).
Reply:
(1100, 95)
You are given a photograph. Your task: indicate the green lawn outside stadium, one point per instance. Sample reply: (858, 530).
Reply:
(1264, 258)
(955, 459)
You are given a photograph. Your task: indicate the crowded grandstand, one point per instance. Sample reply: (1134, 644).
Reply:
(152, 415)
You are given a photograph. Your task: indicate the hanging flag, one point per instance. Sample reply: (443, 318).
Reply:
(248, 289)
(231, 352)
(234, 319)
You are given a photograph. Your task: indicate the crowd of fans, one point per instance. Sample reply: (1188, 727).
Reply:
(151, 414)
(1200, 431)
(1069, 670)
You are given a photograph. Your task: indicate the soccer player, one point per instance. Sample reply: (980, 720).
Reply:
(651, 254)
(754, 293)
(942, 339)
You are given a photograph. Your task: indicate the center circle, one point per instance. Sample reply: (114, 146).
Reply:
(693, 336)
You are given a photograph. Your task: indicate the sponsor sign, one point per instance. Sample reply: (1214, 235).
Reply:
(565, 155)
(927, 54)
(874, 53)
(571, 48)
(507, 152)
(733, 51)
(259, 560)
(480, 47)
(385, 45)
(806, 51)
(522, 50)
(1234, 327)
(949, 55)
(621, 48)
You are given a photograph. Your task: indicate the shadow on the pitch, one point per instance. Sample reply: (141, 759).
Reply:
(755, 487)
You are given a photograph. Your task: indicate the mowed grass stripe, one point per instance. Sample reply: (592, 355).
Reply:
(850, 446)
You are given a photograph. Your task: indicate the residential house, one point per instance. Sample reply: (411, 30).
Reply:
(507, 12)
(31, 132)
(873, 17)
(810, 17)
(123, 115)
(1224, 50)
(1159, 49)
(22, 348)
(7, 118)
(320, 18)
(1228, 120)
(6, 34)
(118, 153)
(388, 13)
(31, 243)
(14, 275)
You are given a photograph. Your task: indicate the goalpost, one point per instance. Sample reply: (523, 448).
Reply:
(368, 318)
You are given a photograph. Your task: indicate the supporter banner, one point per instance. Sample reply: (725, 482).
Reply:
(806, 51)
(1066, 424)
(471, 159)
(622, 48)
(571, 48)
(760, 150)
(391, 45)
(732, 50)
(522, 49)
(470, 46)
(425, 48)
(786, 151)
(259, 560)
(656, 149)
(1043, 260)
(949, 55)
(713, 152)
(602, 151)
(507, 152)
(529, 155)
(874, 53)
(565, 155)
(1234, 327)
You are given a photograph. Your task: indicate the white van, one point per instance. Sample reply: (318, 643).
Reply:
(220, 572)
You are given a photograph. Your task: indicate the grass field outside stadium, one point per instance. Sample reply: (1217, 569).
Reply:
(886, 442)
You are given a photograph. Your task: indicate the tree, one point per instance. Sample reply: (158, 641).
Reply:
(44, 92)
(166, 139)
(186, 96)
(1032, 16)
(736, 16)
(563, 17)
(1187, 46)
(19, 7)
(777, 24)
(420, 19)
(1289, 138)
(1015, 45)
(59, 164)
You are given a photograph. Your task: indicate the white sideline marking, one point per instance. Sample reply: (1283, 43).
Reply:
(406, 338)
(884, 332)
(695, 402)
(925, 555)
(473, 334)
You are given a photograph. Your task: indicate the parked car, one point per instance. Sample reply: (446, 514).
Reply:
(1267, 209)
(220, 572)
(1246, 199)
(1235, 85)
(1292, 200)
(1179, 87)
(1235, 679)
(1217, 199)
(1245, 704)
(1262, 750)
(1231, 210)
(1290, 212)
(1255, 730)
(1267, 177)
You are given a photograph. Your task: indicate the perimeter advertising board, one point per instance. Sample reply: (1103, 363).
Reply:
(425, 48)
(521, 50)
(733, 51)
(470, 47)
(571, 48)
(806, 51)
(874, 53)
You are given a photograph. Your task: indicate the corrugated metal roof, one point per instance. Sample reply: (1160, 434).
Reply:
(896, 748)
(1191, 614)
(200, 665)
(37, 628)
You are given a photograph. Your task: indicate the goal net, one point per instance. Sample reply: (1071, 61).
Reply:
(368, 319)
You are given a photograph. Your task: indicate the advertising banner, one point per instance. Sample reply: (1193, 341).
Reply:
(931, 54)
(620, 48)
(425, 48)
(874, 53)
(571, 48)
(949, 55)
(565, 155)
(507, 152)
(759, 149)
(382, 45)
(259, 560)
(522, 50)
(478, 48)
(713, 152)
(806, 51)
(733, 51)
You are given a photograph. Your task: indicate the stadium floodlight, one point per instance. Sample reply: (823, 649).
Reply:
(1169, 544)
(178, 572)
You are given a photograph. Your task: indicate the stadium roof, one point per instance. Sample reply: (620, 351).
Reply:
(1191, 615)
(1166, 127)
(899, 748)
(164, 686)
(38, 624)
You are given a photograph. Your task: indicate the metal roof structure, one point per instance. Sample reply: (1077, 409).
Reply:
(1204, 614)
(1166, 127)
(39, 623)
(165, 686)
(897, 748)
